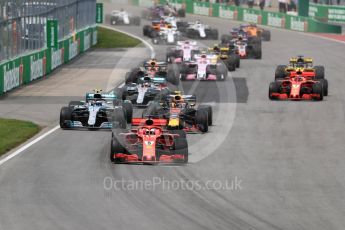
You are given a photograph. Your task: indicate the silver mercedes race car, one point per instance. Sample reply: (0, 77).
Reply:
(96, 112)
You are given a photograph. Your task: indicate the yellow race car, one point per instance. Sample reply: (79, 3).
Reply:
(230, 58)
(302, 66)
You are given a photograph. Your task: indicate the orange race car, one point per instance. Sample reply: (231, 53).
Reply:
(253, 31)
(155, 27)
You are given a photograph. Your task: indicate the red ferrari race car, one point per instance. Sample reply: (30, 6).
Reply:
(296, 88)
(301, 66)
(148, 143)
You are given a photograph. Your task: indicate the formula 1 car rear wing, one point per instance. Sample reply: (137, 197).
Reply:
(148, 122)
(303, 59)
(103, 96)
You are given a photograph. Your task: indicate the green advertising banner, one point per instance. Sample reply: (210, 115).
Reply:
(327, 13)
(99, 12)
(28, 68)
(146, 3)
(296, 23)
(226, 12)
(279, 20)
(52, 33)
(11, 74)
(273, 19)
(202, 8)
(250, 15)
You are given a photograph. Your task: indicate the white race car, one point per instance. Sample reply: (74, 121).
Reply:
(96, 112)
(198, 30)
(168, 36)
(120, 17)
(184, 51)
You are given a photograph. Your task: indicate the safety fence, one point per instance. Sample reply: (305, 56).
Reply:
(34, 59)
(279, 20)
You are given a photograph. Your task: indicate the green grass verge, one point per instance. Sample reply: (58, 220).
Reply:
(14, 133)
(112, 39)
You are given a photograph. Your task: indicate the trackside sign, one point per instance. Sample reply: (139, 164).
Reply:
(227, 12)
(52, 33)
(12, 77)
(275, 21)
(201, 8)
(251, 16)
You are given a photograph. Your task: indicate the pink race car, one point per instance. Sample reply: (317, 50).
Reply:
(205, 67)
(184, 51)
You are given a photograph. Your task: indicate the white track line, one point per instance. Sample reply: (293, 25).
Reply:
(28, 145)
(34, 141)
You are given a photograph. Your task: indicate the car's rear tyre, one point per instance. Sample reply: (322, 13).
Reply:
(209, 111)
(132, 76)
(266, 35)
(324, 83)
(280, 72)
(172, 77)
(214, 34)
(237, 60)
(128, 108)
(119, 119)
(258, 52)
(225, 38)
(65, 115)
(319, 72)
(201, 120)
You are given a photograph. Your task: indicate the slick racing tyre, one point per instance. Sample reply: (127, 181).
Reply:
(225, 38)
(65, 115)
(209, 111)
(201, 120)
(214, 34)
(128, 108)
(273, 88)
(237, 60)
(319, 72)
(115, 147)
(172, 77)
(266, 35)
(324, 83)
(119, 119)
(280, 72)
(317, 89)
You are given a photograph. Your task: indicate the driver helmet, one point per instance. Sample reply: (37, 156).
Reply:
(216, 47)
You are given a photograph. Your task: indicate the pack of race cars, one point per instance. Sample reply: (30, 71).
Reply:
(159, 135)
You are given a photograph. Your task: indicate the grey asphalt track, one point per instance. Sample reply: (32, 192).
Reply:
(285, 158)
